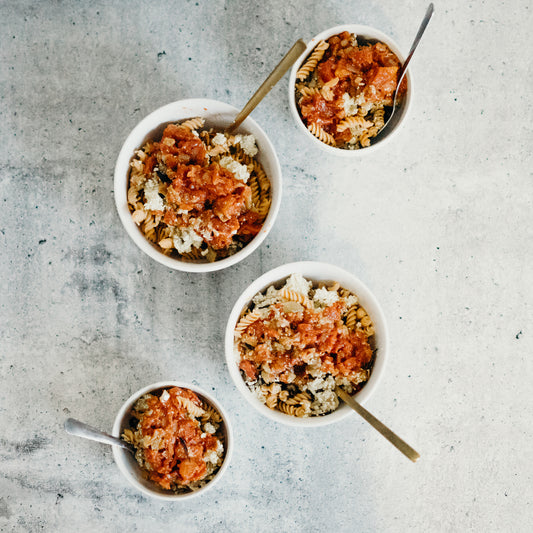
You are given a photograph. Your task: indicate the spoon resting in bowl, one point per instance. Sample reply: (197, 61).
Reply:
(75, 427)
(290, 57)
(403, 68)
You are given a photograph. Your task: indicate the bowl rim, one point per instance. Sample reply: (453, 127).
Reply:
(370, 33)
(120, 454)
(318, 271)
(173, 112)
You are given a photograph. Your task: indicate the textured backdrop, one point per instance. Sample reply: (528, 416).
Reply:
(438, 225)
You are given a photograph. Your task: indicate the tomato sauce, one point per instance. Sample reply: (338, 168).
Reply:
(367, 73)
(200, 192)
(285, 340)
(179, 456)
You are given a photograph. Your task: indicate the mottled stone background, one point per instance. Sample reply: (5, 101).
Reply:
(438, 224)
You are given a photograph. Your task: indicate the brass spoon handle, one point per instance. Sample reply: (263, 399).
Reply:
(409, 452)
(292, 55)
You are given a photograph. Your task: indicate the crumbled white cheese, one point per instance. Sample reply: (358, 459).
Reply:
(164, 396)
(297, 283)
(319, 384)
(344, 383)
(351, 300)
(315, 370)
(247, 143)
(220, 138)
(211, 457)
(239, 171)
(185, 238)
(209, 428)
(153, 202)
(325, 401)
(292, 307)
(325, 298)
(350, 105)
(264, 300)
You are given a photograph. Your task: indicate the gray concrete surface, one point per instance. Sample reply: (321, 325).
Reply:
(439, 225)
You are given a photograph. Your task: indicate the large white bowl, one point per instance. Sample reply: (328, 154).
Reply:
(400, 114)
(129, 466)
(219, 115)
(313, 271)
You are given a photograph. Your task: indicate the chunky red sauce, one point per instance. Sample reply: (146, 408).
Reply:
(179, 458)
(289, 341)
(369, 71)
(201, 191)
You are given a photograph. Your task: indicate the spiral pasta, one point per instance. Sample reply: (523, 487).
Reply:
(312, 61)
(246, 321)
(294, 296)
(194, 410)
(321, 134)
(193, 123)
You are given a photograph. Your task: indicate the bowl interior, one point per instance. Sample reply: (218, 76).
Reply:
(129, 466)
(365, 34)
(217, 115)
(313, 271)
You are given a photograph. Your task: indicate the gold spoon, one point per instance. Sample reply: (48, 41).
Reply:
(409, 452)
(292, 55)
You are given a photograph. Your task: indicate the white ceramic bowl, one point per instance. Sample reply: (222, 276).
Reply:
(127, 463)
(218, 115)
(313, 271)
(400, 114)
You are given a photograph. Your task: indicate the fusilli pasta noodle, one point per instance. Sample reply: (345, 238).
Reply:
(246, 320)
(313, 60)
(321, 134)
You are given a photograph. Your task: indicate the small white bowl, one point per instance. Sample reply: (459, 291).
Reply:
(367, 33)
(313, 271)
(219, 115)
(129, 466)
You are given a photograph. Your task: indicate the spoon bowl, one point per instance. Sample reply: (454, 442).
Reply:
(403, 68)
(75, 427)
(364, 34)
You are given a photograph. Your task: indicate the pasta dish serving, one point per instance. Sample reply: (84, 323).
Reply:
(344, 88)
(198, 194)
(179, 439)
(296, 343)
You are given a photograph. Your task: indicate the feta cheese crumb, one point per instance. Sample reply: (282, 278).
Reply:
(264, 300)
(325, 298)
(185, 238)
(297, 283)
(239, 171)
(351, 300)
(350, 105)
(209, 428)
(220, 138)
(325, 401)
(211, 457)
(247, 143)
(153, 202)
